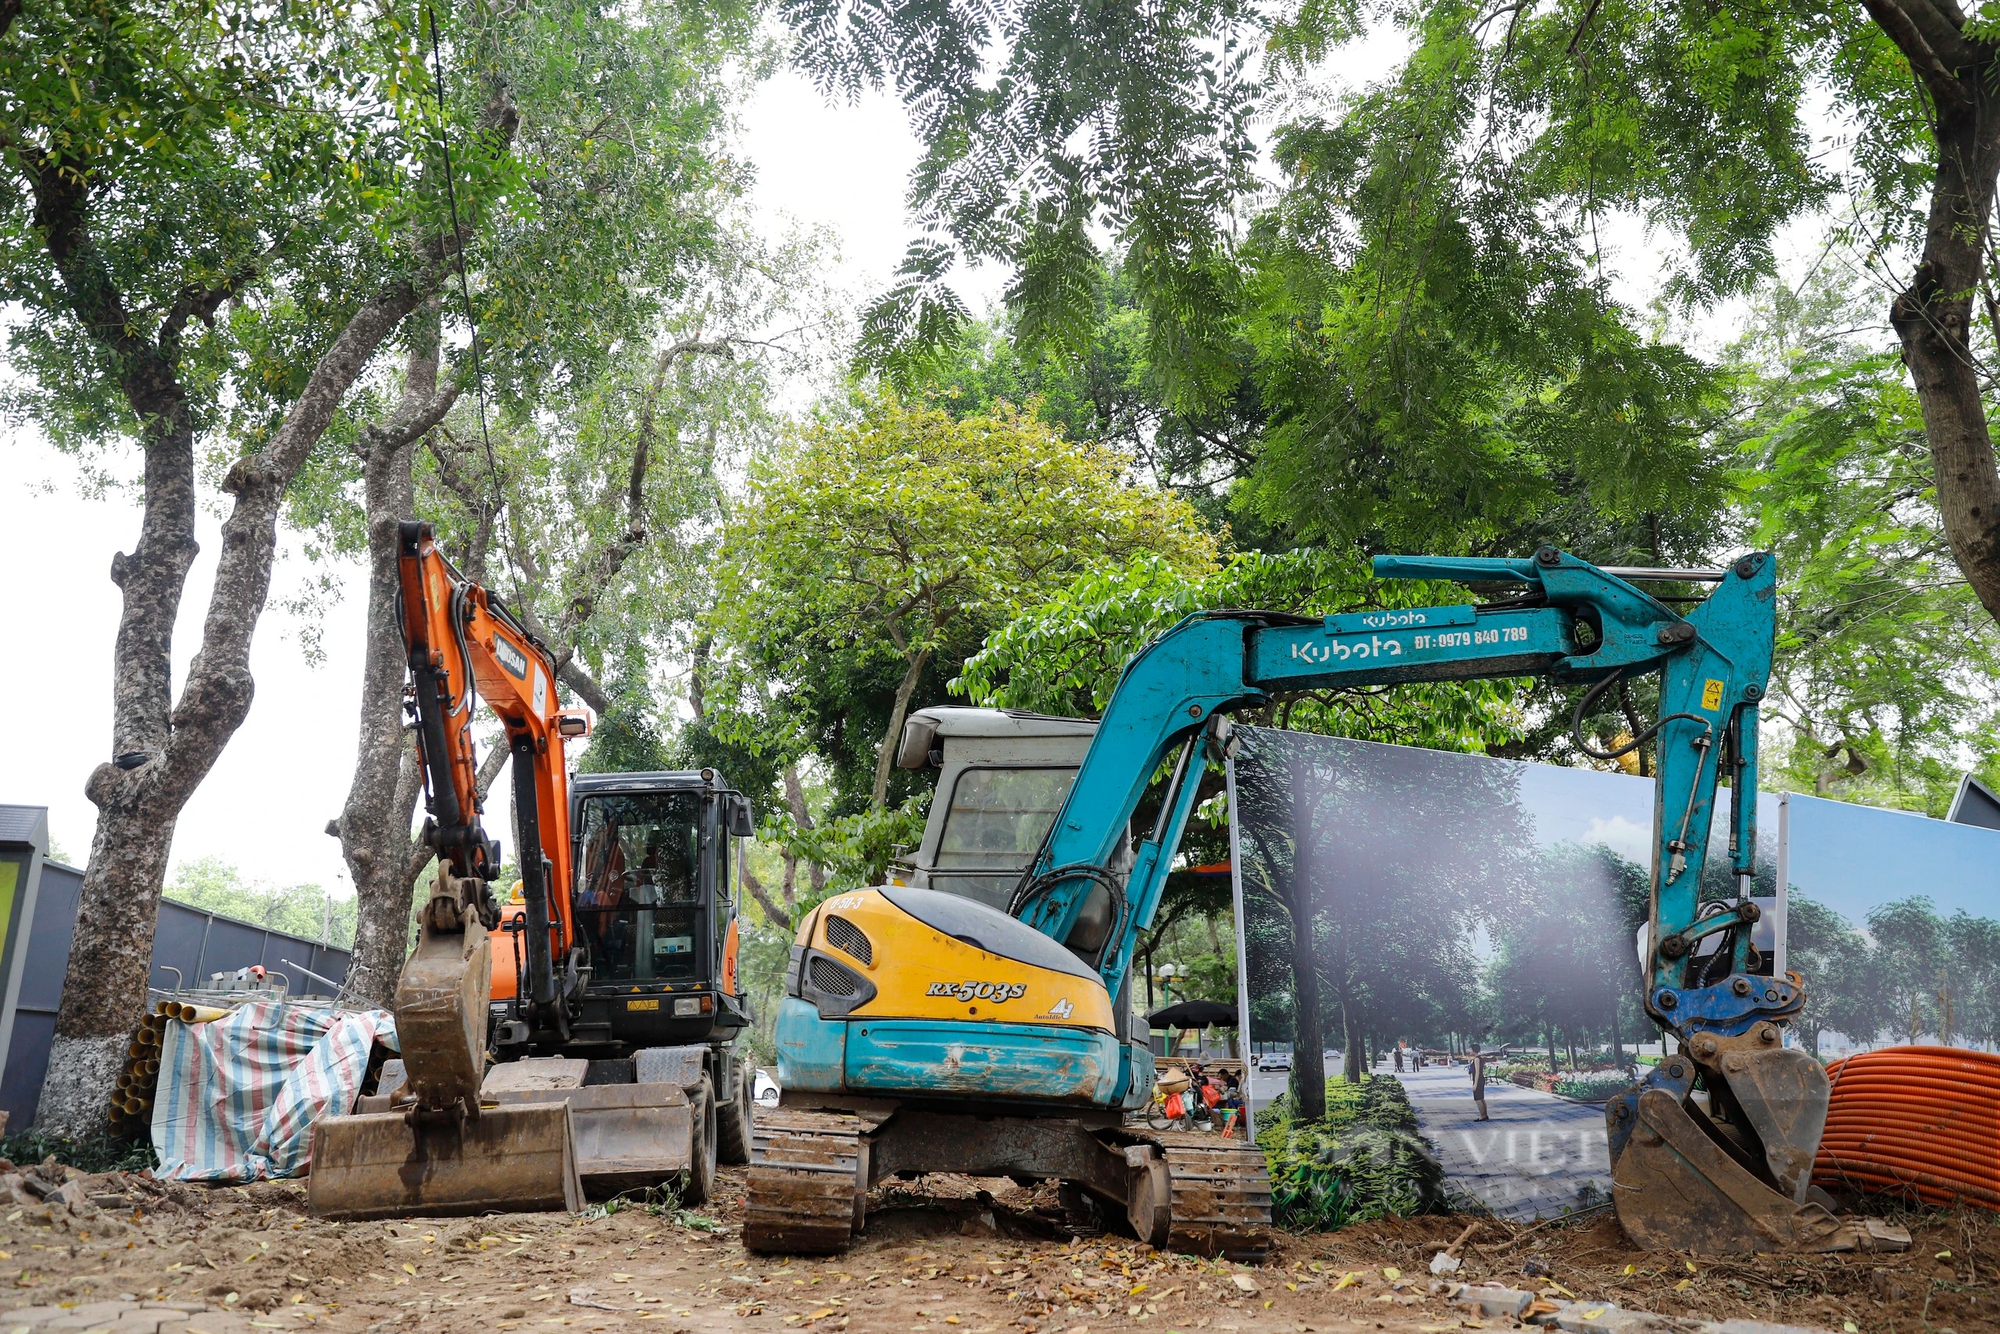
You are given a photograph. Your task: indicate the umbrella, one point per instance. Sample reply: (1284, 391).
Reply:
(1194, 1014)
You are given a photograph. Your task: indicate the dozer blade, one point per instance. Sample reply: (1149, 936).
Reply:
(1677, 1189)
(628, 1136)
(514, 1159)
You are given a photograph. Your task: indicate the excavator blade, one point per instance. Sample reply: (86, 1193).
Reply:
(1676, 1189)
(455, 1158)
(514, 1159)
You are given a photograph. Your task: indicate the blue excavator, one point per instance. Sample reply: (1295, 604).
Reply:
(924, 1030)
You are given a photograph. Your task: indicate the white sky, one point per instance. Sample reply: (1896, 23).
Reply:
(285, 773)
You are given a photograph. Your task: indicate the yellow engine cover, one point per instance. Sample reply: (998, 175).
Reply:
(932, 955)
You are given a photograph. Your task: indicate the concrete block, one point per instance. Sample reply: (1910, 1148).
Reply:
(1495, 1301)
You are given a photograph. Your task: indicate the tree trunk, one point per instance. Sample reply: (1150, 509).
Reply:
(893, 734)
(374, 826)
(104, 987)
(1308, 1083)
(795, 801)
(1933, 316)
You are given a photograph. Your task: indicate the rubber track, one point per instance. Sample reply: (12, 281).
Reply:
(1222, 1195)
(804, 1183)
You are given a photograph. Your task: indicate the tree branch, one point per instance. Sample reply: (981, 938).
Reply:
(1894, 20)
(402, 427)
(763, 897)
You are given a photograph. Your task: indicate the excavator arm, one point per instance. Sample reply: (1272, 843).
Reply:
(1575, 624)
(1727, 1171)
(449, 1152)
(464, 644)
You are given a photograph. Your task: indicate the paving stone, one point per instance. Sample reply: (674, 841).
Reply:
(1759, 1327)
(32, 1315)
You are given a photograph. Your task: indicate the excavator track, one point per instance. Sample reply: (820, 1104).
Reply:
(804, 1194)
(1221, 1195)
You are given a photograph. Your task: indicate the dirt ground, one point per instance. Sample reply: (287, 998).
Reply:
(139, 1257)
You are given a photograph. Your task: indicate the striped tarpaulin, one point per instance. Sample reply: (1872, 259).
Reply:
(238, 1095)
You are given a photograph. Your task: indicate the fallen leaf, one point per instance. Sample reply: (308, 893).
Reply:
(1347, 1280)
(1690, 1265)
(1391, 1273)
(1942, 1255)
(1244, 1281)
(821, 1314)
(409, 1268)
(1631, 1269)
(1850, 1327)
(1557, 1287)
(1593, 1313)
(1683, 1285)
(622, 1278)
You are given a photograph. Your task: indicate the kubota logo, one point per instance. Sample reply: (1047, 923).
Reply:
(970, 991)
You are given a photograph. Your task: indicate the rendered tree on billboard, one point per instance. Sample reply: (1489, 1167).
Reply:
(1383, 936)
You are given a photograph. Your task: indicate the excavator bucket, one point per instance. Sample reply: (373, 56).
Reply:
(448, 1154)
(1681, 1182)
(518, 1159)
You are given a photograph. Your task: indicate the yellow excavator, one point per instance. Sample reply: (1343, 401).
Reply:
(578, 1039)
(978, 1022)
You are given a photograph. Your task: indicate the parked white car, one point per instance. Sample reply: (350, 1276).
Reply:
(765, 1089)
(1275, 1060)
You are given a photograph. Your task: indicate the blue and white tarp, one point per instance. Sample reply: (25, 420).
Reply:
(238, 1096)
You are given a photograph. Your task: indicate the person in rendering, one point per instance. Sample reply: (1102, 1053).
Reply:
(1478, 1063)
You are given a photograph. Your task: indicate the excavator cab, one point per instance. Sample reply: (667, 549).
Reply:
(653, 914)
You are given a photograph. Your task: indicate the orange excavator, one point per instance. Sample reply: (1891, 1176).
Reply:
(579, 1038)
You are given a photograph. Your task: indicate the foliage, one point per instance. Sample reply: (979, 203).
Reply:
(873, 545)
(854, 850)
(1589, 1090)
(101, 1154)
(1365, 1160)
(1883, 649)
(1044, 126)
(306, 911)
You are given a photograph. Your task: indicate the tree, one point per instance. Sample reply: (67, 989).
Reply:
(902, 534)
(1910, 959)
(1377, 941)
(215, 218)
(1557, 964)
(1541, 123)
(1841, 993)
(1882, 645)
(585, 490)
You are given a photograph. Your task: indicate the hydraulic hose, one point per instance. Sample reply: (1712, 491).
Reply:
(1914, 1121)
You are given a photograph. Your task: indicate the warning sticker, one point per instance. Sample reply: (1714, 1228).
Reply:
(1711, 695)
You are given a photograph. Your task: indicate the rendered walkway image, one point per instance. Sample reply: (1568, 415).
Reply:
(1538, 1156)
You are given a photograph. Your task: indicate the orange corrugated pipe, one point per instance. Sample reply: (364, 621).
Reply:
(1922, 1121)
